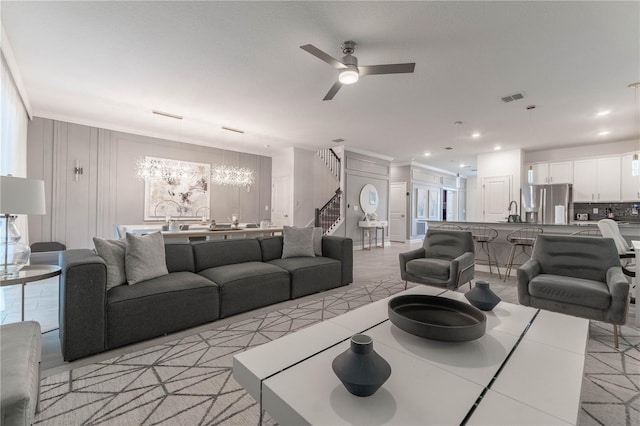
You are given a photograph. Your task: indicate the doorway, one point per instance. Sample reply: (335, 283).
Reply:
(281, 201)
(496, 194)
(398, 212)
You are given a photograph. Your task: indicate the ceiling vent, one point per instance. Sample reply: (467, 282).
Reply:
(338, 140)
(514, 97)
(448, 148)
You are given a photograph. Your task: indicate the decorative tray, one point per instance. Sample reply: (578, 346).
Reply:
(437, 318)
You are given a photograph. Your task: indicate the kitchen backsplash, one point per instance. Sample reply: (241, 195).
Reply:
(625, 212)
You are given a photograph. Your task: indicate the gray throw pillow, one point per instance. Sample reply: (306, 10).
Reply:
(112, 252)
(144, 257)
(297, 242)
(317, 241)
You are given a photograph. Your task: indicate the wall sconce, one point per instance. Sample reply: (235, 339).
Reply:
(77, 170)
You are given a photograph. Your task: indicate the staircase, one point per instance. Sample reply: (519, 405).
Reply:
(329, 216)
(331, 160)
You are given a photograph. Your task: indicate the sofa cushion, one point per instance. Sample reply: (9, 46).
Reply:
(113, 253)
(317, 241)
(159, 306)
(311, 274)
(430, 267)
(179, 257)
(297, 242)
(211, 254)
(576, 291)
(144, 257)
(271, 247)
(249, 285)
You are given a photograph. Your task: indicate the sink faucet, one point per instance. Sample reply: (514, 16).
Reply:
(512, 203)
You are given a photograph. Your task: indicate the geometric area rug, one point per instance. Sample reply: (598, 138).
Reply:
(189, 381)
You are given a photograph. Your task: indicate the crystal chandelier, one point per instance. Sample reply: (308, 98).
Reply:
(231, 175)
(171, 171)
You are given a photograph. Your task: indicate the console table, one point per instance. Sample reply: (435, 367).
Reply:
(526, 369)
(200, 231)
(372, 225)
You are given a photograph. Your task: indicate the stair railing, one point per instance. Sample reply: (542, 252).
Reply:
(328, 215)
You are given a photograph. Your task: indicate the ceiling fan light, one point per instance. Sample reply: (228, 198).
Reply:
(349, 75)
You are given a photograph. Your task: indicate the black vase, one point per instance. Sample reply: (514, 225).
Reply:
(360, 369)
(482, 297)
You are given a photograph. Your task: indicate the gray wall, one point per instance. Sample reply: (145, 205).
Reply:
(360, 170)
(108, 193)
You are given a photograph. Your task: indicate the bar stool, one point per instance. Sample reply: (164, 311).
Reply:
(522, 238)
(482, 237)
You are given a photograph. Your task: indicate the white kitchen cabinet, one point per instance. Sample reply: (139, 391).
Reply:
(557, 172)
(596, 180)
(629, 184)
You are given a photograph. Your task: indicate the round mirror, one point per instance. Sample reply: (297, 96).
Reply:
(369, 199)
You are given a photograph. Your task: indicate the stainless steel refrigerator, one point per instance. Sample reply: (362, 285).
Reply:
(547, 204)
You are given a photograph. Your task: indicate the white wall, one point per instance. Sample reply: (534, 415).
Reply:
(503, 163)
(472, 200)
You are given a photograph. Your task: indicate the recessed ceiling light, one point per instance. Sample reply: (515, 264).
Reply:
(462, 165)
(426, 154)
(448, 148)
(497, 148)
(604, 133)
(603, 113)
(337, 140)
(475, 135)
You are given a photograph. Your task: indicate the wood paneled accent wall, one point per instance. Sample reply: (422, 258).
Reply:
(108, 192)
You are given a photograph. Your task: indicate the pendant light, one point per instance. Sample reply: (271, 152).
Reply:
(635, 163)
(530, 176)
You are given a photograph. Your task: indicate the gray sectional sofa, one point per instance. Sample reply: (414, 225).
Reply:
(207, 281)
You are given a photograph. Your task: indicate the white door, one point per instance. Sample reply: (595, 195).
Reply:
(398, 216)
(496, 195)
(281, 210)
(452, 205)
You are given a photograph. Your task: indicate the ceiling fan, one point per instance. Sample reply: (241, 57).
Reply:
(349, 69)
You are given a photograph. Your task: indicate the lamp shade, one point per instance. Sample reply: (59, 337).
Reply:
(21, 196)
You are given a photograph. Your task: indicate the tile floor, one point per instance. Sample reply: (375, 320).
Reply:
(40, 303)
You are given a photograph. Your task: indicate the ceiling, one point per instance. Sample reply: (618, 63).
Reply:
(239, 65)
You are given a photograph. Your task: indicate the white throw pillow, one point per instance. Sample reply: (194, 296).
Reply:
(144, 258)
(297, 242)
(113, 253)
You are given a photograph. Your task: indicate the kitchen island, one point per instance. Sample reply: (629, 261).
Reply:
(630, 231)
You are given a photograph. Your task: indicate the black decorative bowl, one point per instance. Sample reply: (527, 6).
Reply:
(437, 318)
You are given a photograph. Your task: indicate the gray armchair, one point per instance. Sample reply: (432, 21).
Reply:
(579, 276)
(446, 260)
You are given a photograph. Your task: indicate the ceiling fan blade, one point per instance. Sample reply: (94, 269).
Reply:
(323, 56)
(386, 69)
(332, 92)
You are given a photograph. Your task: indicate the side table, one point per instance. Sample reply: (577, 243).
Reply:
(29, 274)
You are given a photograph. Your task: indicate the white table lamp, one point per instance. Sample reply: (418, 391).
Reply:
(17, 196)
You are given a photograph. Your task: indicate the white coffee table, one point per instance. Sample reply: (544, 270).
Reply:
(529, 363)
